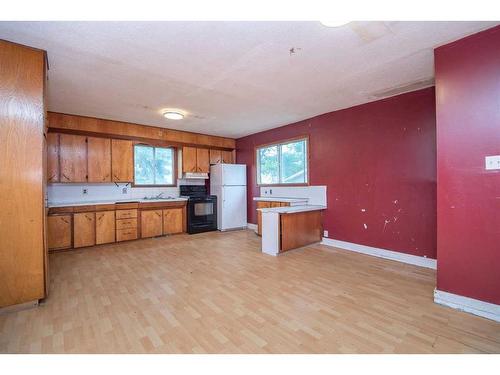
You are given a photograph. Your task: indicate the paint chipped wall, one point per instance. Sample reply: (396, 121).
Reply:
(468, 118)
(378, 161)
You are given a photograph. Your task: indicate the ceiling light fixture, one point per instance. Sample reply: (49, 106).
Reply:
(173, 115)
(334, 23)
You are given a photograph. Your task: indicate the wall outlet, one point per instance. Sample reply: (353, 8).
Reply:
(124, 190)
(271, 191)
(325, 233)
(492, 162)
(85, 191)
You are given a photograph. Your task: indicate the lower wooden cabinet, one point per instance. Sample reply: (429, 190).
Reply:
(84, 229)
(151, 223)
(266, 204)
(104, 227)
(173, 221)
(126, 234)
(59, 232)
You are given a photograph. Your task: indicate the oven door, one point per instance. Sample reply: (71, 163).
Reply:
(202, 214)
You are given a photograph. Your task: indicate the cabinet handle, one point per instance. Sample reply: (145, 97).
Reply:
(158, 214)
(66, 177)
(51, 177)
(63, 219)
(116, 177)
(88, 218)
(100, 217)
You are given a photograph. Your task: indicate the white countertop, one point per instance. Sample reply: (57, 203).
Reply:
(293, 209)
(113, 201)
(280, 199)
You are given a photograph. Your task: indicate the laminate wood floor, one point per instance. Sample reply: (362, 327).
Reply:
(217, 293)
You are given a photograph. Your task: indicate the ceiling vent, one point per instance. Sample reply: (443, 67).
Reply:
(407, 87)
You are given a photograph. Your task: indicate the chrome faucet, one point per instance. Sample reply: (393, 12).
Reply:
(159, 195)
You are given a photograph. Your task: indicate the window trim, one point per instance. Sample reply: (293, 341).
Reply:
(280, 142)
(155, 145)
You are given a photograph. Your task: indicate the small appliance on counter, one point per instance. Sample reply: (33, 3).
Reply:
(229, 183)
(201, 209)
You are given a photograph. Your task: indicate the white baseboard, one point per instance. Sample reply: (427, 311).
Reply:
(252, 226)
(470, 305)
(382, 253)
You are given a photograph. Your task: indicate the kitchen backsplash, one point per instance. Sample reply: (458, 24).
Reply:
(315, 194)
(61, 193)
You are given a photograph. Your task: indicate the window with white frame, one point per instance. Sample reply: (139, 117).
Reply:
(283, 163)
(153, 166)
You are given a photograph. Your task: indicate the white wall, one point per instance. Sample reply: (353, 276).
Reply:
(315, 194)
(63, 193)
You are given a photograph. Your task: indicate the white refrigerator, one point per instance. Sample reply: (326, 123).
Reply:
(229, 183)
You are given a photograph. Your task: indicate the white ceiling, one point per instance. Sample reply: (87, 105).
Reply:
(232, 78)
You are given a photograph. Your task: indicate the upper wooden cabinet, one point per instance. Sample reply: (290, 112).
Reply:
(99, 159)
(227, 157)
(195, 160)
(53, 157)
(122, 163)
(189, 160)
(215, 156)
(73, 158)
(202, 160)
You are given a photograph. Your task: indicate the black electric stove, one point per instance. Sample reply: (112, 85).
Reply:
(201, 209)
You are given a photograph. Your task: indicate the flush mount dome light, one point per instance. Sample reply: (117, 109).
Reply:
(334, 23)
(173, 115)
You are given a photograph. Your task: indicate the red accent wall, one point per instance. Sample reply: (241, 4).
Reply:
(380, 157)
(468, 123)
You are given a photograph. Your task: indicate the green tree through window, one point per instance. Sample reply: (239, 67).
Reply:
(284, 163)
(153, 165)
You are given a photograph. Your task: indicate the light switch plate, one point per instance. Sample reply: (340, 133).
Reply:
(492, 162)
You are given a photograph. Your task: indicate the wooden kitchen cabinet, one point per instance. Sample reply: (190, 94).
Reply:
(104, 227)
(189, 160)
(173, 220)
(73, 158)
(84, 229)
(53, 157)
(227, 157)
(99, 159)
(266, 204)
(202, 160)
(215, 156)
(122, 163)
(59, 232)
(151, 223)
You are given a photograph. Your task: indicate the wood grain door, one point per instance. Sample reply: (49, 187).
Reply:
(173, 220)
(84, 229)
(189, 160)
(227, 157)
(53, 157)
(73, 158)
(122, 160)
(215, 156)
(300, 229)
(151, 223)
(105, 227)
(202, 160)
(59, 231)
(99, 159)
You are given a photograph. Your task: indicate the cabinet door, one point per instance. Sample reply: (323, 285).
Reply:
(215, 156)
(202, 160)
(59, 231)
(104, 227)
(122, 163)
(173, 221)
(261, 204)
(52, 157)
(99, 159)
(227, 157)
(189, 160)
(73, 158)
(84, 229)
(151, 223)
